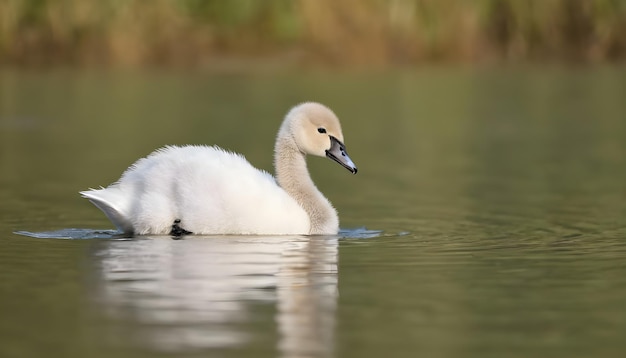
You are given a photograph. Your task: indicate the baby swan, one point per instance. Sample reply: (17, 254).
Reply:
(207, 190)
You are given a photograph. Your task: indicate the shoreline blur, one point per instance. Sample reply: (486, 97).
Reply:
(327, 33)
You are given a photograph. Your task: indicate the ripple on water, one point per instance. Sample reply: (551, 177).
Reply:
(83, 234)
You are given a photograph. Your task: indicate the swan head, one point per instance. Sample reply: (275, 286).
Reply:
(316, 130)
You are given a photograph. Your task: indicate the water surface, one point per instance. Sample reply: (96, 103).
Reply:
(501, 196)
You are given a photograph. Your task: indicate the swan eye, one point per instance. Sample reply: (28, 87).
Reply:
(321, 130)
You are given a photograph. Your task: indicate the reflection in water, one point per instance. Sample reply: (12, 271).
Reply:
(197, 293)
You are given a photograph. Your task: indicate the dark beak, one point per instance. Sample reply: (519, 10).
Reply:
(337, 152)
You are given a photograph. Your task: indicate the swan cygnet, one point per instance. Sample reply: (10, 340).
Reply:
(207, 190)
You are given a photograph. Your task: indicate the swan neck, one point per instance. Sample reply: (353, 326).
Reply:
(293, 176)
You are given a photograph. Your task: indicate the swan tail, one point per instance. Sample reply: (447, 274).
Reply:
(112, 202)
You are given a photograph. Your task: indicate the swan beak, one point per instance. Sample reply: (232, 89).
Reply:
(337, 152)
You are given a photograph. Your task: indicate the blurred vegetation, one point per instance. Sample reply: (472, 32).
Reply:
(346, 32)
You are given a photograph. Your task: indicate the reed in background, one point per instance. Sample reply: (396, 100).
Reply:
(343, 33)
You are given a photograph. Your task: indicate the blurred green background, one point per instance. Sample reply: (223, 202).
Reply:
(305, 32)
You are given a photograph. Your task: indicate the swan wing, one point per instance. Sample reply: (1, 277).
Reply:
(212, 191)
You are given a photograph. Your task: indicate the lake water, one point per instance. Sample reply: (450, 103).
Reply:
(500, 195)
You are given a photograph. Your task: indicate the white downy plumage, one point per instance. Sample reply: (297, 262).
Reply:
(213, 191)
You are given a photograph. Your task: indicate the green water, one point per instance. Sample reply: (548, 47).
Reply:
(501, 194)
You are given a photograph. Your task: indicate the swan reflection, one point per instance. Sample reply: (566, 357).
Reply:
(199, 293)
